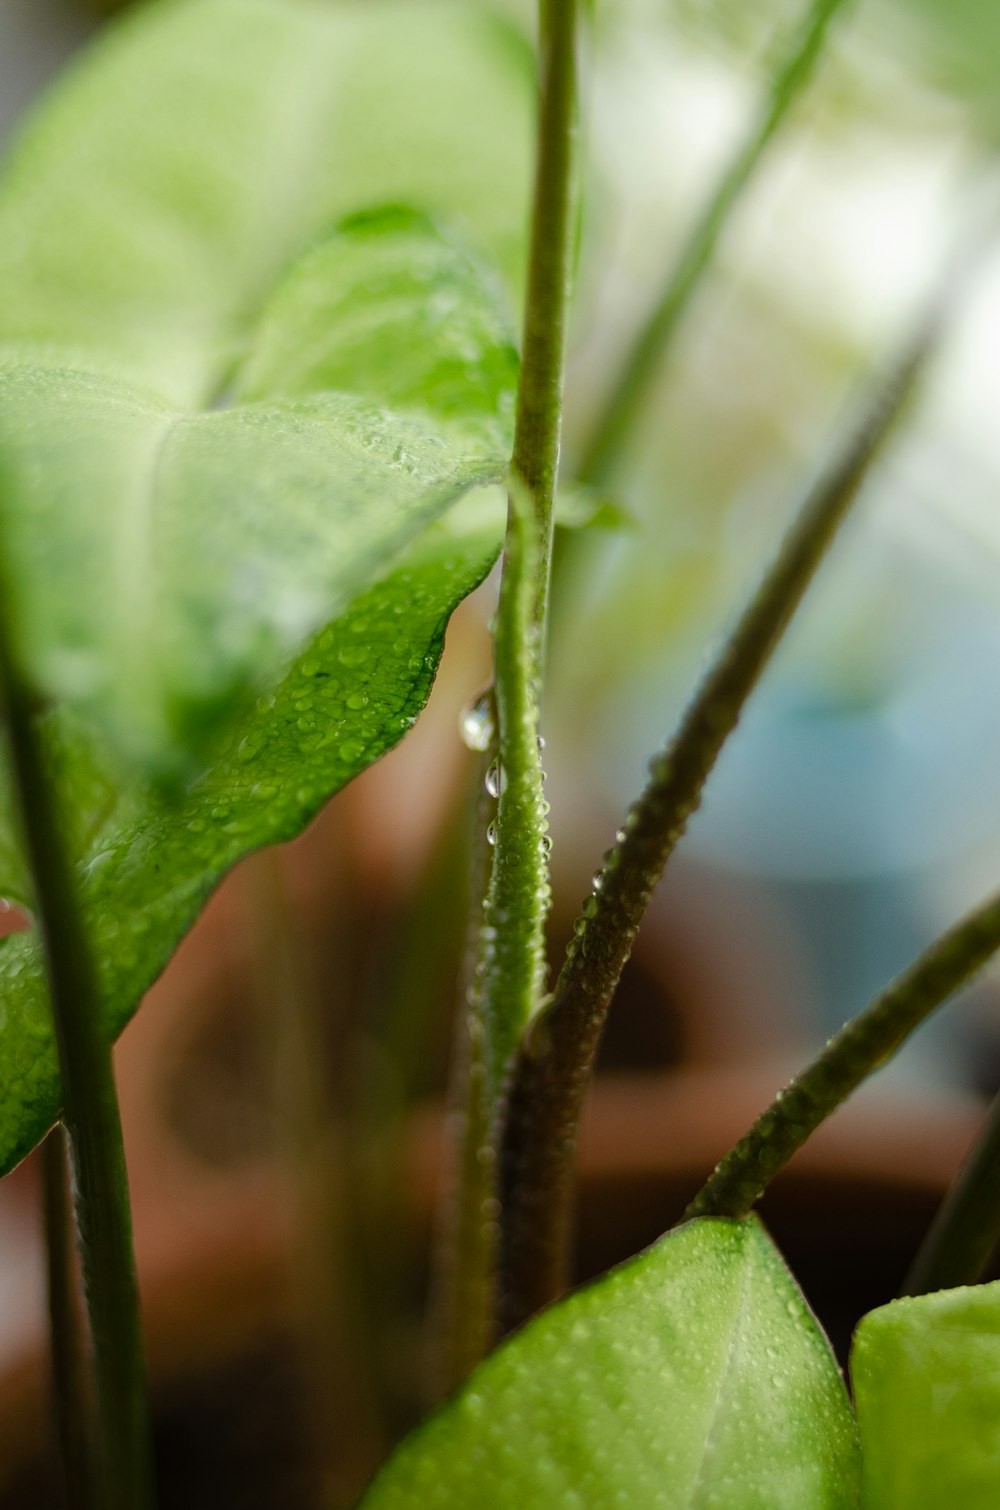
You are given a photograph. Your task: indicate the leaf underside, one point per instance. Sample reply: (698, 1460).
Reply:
(926, 1377)
(243, 441)
(692, 1376)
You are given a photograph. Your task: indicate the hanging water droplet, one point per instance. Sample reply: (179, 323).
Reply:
(621, 835)
(496, 779)
(597, 880)
(491, 834)
(546, 845)
(476, 723)
(541, 744)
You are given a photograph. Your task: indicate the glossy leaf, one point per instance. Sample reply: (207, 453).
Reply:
(195, 151)
(165, 563)
(263, 587)
(148, 863)
(926, 1377)
(693, 1376)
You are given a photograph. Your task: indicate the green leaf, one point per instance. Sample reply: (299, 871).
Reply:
(163, 564)
(926, 1377)
(264, 587)
(149, 863)
(693, 1376)
(195, 151)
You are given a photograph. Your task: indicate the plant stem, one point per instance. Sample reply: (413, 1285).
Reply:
(90, 1111)
(513, 940)
(966, 1229)
(535, 458)
(463, 1311)
(612, 429)
(862, 1046)
(517, 899)
(323, 1281)
(511, 967)
(554, 1066)
(70, 1365)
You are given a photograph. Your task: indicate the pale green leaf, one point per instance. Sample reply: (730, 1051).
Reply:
(200, 146)
(265, 586)
(163, 563)
(693, 1376)
(926, 1377)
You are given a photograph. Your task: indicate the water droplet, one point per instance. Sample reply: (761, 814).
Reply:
(620, 836)
(491, 834)
(496, 779)
(351, 750)
(597, 880)
(546, 843)
(476, 722)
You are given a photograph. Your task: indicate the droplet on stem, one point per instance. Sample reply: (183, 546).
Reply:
(476, 723)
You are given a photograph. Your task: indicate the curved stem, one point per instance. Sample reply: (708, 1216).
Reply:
(966, 1229)
(554, 1066)
(612, 428)
(862, 1046)
(90, 1110)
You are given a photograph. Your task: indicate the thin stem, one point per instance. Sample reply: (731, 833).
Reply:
(862, 1046)
(517, 899)
(463, 1312)
(512, 963)
(71, 1383)
(90, 1111)
(513, 937)
(612, 429)
(966, 1229)
(555, 1063)
(324, 1282)
(535, 458)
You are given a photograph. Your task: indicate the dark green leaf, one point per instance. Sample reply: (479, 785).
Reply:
(693, 1376)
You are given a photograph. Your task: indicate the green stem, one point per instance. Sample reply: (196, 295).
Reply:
(90, 1111)
(535, 458)
(966, 1229)
(517, 899)
(512, 964)
(862, 1046)
(70, 1366)
(513, 937)
(554, 1066)
(793, 73)
(464, 1308)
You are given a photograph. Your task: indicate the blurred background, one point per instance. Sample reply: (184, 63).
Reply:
(854, 815)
